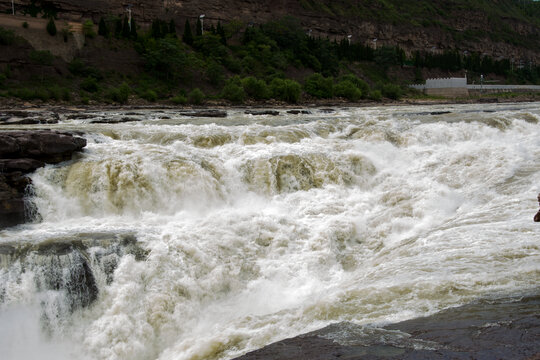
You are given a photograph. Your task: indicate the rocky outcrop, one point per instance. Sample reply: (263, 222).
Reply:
(22, 152)
(204, 113)
(75, 266)
(502, 329)
(19, 117)
(261, 112)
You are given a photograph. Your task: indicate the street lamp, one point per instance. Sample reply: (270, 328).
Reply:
(202, 27)
(349, 39)
(375, 43)
(128, 9)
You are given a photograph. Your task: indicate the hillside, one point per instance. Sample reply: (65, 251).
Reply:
(288, 51)
(500, 28)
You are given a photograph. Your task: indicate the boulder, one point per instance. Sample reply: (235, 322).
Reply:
(22, 152)
(262, 112)
(204, 113)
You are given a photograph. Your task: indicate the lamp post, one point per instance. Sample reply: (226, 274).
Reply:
(202, 19)
(349, 39)
(128, 9)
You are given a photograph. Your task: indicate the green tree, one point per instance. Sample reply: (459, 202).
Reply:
(187, 37)
(196, 96)
(103, 30)
(126, 31)
(221, 32)
(233, 92)
(198, 27)
(214, 73)
(165, 58)
(286, 90)
(172, 27)
(255, 88)
(118, 28)
(347, 89)
(318, 86)
(51, 27)
(133, 29)
(88, 29)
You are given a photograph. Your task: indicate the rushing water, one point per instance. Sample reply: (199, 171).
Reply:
(186, 238)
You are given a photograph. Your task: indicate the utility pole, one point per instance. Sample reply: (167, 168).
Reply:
(128, 9)
(202, 27)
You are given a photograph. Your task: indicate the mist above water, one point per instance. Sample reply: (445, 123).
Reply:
(258, 228)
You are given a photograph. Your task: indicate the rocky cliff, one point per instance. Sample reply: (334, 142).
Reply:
(22, 152)
(501, 29)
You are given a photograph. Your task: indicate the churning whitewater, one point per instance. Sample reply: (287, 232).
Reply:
(188, 238)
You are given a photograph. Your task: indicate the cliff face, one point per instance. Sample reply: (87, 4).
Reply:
(499, 28)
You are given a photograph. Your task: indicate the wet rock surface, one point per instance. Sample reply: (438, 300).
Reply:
(22, 152)
(21, 117)
(262, 112)
(489, 329)
(204, 113)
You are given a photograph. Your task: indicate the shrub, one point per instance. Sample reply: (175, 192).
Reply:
(179, 99)
(78, 68)
(25, 25)
(150, 95)
(347, 89)
(256, 89)
(233, 64)
(51, 27)
(233, 92)
(85, 100)
(103, 29)
(286, 90)
(59, 93)
(359, 83)
(318, 86)
(214, 73)
(120, 94)
(196, 96)
(187, 37)
(391, 91)
(90, 84)
(88, 29)
(7, 37)
(41, 57)
(375, 95)
(65, 32)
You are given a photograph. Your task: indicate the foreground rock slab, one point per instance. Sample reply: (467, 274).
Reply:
(22, 152)
(501, 329)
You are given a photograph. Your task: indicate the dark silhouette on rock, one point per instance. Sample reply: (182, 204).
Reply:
(22, 152)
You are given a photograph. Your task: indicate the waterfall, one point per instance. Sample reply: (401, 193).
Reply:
(188, 238)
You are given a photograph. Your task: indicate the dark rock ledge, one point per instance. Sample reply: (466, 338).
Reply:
(501, 329)
(22, 152)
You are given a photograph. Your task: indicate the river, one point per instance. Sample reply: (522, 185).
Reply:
(194, 238)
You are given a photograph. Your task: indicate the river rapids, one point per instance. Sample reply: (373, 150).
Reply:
(191, 238)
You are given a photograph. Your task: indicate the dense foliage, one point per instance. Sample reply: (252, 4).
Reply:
(278, 60)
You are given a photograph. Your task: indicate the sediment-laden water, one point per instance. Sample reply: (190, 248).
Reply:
(189, 238)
